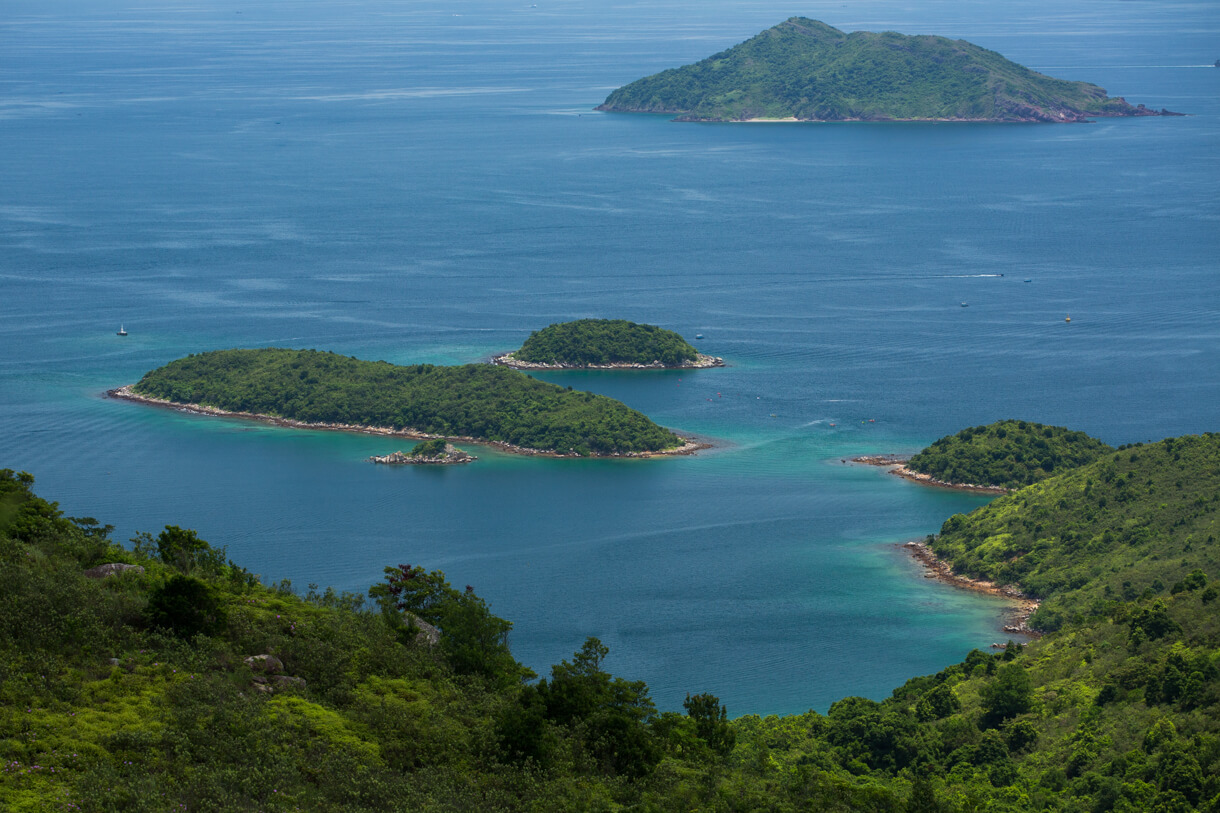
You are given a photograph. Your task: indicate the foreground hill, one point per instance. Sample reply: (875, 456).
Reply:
(807, 70)
(182, 682)
(605, 343)
(476, 401)
(1139, 519)
(1009, 454)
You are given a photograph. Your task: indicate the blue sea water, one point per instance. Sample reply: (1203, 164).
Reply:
(427, 182)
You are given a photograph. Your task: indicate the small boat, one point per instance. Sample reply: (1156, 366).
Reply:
(965, 304)
(698, 335)
(121, 331)
(1029, 280)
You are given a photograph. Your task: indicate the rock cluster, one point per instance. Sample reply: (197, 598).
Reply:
(267, 678)
(112, 569)
(452, 454)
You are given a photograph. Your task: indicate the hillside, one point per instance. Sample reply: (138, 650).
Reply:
(1009, 453)
(1136, 520)
(603, 343)
(807, 70)
(477, 401)
(183, 682)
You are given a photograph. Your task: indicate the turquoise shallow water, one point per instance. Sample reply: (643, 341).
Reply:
(427, 182)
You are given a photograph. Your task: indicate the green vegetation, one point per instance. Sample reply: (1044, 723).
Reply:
(605, 341)
(807, 70)
(429, 448)
(1007, 453)
(138, 691)
(1134, 523)
(479, 401)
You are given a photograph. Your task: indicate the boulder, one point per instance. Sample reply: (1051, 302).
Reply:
(267, 664)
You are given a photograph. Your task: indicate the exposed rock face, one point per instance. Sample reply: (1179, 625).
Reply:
(452, 454)
(428, 634)
(112, 569)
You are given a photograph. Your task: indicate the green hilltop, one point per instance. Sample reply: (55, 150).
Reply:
(478, 401)
(1007, 453)
(587, 342)
(182, 682)
(807, 70)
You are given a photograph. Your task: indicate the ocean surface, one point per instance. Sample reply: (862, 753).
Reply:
(427, 182)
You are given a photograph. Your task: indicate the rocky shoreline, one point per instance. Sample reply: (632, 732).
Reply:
(125, 393)
(701, 362)
(897, 466)
(1016, 619)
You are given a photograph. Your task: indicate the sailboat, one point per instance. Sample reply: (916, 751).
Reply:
(121, 331)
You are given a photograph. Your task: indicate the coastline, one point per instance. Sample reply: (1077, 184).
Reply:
(701, 362)
(897, 466)
(1015, 619)
(125, 393)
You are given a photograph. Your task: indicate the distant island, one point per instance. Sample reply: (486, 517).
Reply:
(605, 344)
(805, 70)
(998, 457)
(473, 402)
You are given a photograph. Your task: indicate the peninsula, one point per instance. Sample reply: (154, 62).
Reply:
(805, 70)
(477, 403)
(605, 344)
(996, 458)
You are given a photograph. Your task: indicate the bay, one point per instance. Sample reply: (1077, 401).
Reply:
(427, 182)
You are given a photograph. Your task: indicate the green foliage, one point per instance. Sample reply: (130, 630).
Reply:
(1007, 453)
(1126, 525)
(480, 401)
(808, 70)
(429, 448)
(1117, 710)
(605, 341)
(711, 722)
(187, 607)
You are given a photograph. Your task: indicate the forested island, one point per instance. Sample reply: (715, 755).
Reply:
(164, 675)
(474, 402)
(1006, 454)
(605, 344)
(806, 70)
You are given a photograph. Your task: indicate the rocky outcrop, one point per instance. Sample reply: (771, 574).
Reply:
(112, 569)
(451, 455)
(266, 664)
(427, 635)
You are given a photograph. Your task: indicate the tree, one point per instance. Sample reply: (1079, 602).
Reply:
(711, 722)
(187, 607)
(1010, 694)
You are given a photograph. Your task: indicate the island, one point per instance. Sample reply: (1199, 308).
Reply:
(805, 70)
(605, 344)
(437, 452)
(995, 458)
(169, 676)
(477, 403)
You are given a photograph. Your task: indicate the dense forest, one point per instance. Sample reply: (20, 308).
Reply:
(605, 341)
(1006, 453)
(182, 682)
(807, 70)
(478, 401)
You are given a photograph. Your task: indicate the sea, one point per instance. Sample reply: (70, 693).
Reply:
(427, 181)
